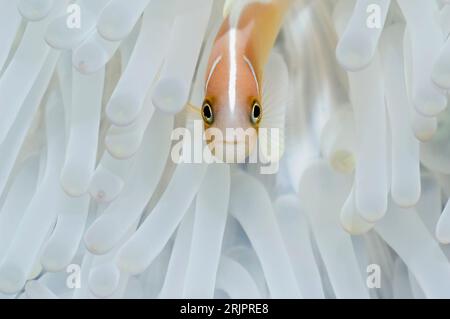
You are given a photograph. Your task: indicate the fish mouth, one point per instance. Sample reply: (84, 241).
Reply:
(231, 151)
(231, 142)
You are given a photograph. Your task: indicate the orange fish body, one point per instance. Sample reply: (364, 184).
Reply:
(233, 83)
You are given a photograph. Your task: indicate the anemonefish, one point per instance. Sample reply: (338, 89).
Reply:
(242, 89)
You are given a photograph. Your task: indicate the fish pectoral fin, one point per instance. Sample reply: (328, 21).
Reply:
(271, 144)
(193, 114)
(274, 99)
(192, 108)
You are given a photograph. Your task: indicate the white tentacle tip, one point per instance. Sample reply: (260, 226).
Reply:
(424, 129)
(52, 261)
(94, 240)
(343, 161)
(406, 198)
(12, 279)
(354, 58)
(104, 280)
(170, 95)
(354, 225)
(89, 58)
(115, 24)
(442, 234)
(371, 209)
(443, 226)
(105, 186)
(429, 104)
(121, 112)
(35, 10)
(350, 219)
(123, 146)
(130, 261)
(441, 77)
(74, 182)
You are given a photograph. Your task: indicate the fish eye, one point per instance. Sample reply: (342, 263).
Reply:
(207, 113)
(256, 113)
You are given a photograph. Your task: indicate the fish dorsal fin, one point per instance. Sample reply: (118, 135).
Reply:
(275, 96)
(233, 8)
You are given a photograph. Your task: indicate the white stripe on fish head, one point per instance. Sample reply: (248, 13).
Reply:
(252, 69)
(232, 80)
(211, 72)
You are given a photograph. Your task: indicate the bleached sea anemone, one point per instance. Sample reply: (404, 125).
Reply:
(93, 205)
